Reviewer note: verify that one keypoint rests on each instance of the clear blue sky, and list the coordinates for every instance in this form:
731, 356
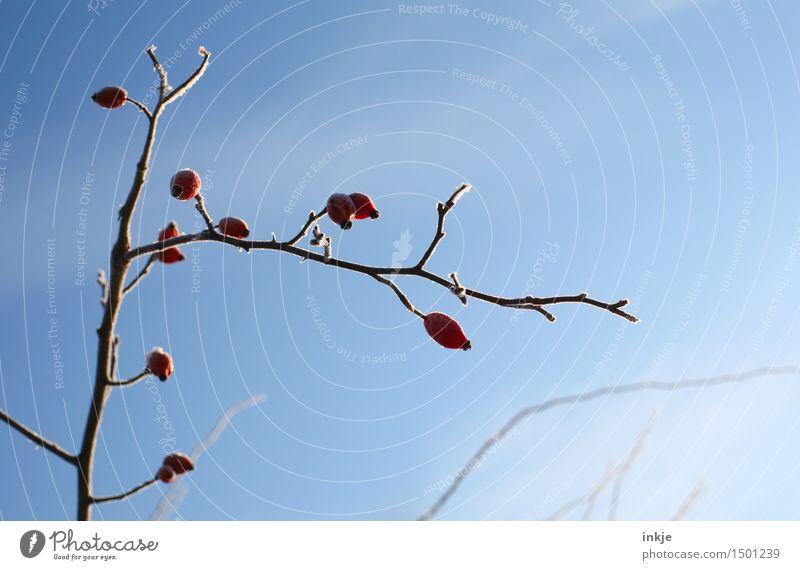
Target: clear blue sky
629, 149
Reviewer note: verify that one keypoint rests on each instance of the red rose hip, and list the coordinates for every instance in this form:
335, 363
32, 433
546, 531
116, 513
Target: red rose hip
166, 474
110, 97
172, 254
186, 184
446, 331
233, 227
179, 462
365, 207
159, 363
341, 210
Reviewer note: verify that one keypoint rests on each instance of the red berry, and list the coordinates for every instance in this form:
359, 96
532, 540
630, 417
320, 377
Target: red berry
179, 462
365, 207
159, 363
446, 331
341, 210
166, 474
233, 227
186, 184
172, 254
110, 97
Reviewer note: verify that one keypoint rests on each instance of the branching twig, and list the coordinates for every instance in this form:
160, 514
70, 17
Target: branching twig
312, 219
528, 302
193, 78
586, 397
126, 494
38, 439
442, 210
145, 270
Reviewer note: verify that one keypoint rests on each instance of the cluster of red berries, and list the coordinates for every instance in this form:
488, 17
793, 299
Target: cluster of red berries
344, 208
186, 185
174, 464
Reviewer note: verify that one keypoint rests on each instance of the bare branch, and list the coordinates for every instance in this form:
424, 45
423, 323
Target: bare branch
142, 274
312, 219
38, 439
442, 210
400, 295
193, 78
141, 107
529, 303
126, 494
589, 396
624, 469
131, 381
162, 73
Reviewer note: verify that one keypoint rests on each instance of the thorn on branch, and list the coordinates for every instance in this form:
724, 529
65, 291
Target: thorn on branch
103, 282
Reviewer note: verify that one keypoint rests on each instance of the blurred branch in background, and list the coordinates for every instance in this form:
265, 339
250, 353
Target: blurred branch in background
171, 500
529, 411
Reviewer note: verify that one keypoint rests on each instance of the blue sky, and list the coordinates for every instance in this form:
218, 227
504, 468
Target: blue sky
629, 149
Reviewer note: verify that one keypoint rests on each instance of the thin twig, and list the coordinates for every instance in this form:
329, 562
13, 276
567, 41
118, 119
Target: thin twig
162, 73
130, 381
400, 295
312, 219
38, 439
145, 270
126, 494
200, 205
442, 210
586, 397
141, 107
193, 78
